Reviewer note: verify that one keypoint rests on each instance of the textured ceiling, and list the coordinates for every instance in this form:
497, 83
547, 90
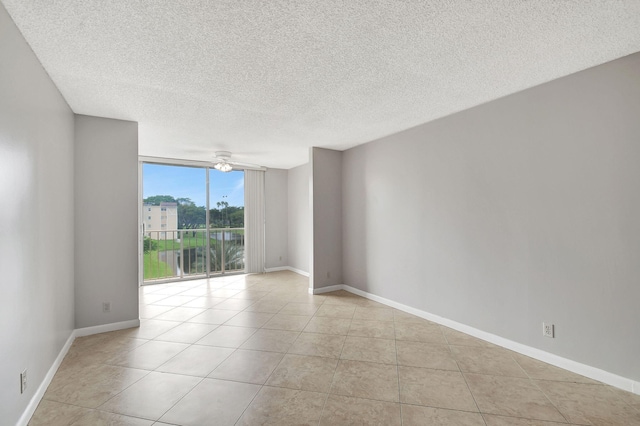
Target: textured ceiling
268, 79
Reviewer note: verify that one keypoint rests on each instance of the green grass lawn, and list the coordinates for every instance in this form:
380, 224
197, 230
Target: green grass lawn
155, 268
188, 240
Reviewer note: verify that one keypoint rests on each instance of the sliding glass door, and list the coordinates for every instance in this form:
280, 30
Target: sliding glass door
192, 222
226, 218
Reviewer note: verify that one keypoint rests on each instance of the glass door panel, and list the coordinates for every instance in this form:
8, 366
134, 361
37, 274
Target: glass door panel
174, 221
226, 221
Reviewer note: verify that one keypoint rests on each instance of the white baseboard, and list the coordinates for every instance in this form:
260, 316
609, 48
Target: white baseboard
276, 269
565, 363
37, 397
287, 268
298, 271
114, 326
326, 289
78, 332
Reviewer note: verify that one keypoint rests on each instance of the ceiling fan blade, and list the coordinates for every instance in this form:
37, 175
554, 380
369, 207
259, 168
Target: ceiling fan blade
247, 165
225, 157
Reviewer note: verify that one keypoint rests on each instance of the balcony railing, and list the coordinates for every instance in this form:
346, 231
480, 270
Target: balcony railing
180, 253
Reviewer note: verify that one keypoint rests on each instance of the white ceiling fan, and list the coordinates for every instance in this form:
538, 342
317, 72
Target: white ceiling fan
222, 162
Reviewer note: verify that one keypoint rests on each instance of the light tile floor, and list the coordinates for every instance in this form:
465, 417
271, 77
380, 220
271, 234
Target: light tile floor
258, 349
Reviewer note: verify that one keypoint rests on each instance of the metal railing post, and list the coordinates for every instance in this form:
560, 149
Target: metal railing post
207, 231
181, 234
158, 256
222, 266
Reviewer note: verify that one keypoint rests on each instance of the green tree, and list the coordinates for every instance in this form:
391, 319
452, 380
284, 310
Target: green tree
226, 216
236, 217
222, 208
215, 218
149, 244
155, 200
191, 216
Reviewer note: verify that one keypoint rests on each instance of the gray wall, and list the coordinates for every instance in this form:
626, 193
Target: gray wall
276, 215
326, 216
36, 221
519, 211
299, 213
106, 220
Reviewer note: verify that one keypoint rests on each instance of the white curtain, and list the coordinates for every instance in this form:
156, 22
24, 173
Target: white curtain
254, 220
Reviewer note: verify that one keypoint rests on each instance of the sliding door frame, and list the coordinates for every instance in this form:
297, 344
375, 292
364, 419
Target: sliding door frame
184, 163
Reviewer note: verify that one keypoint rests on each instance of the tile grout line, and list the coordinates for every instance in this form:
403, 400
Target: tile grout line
183, 396
463, 376
188, 346
196, 385
612, 391
395, 342
333, 378
261, 386
532, 381
127, 387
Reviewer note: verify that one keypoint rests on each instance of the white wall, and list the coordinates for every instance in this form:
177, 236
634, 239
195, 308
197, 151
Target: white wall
326, 216
106, 220
519, 211
36, 221
299, 214
276, 218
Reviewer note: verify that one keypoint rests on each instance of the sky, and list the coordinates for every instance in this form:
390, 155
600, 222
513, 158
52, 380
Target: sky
190, 182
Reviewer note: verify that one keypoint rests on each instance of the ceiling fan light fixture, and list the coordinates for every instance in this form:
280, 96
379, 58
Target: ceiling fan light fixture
223, 164
223, 167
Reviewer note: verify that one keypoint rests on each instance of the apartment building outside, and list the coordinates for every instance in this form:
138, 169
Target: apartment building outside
159, 219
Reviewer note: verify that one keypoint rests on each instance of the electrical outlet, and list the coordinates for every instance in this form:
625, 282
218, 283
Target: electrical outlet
106, 306
547, 330
23, 381
280, 257
328, 275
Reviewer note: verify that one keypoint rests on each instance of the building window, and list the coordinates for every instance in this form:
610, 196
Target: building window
149, 217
